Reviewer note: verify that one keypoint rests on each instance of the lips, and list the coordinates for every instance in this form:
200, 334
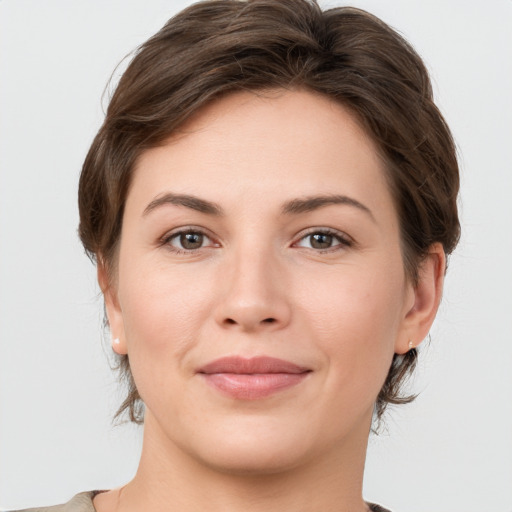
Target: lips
254, 378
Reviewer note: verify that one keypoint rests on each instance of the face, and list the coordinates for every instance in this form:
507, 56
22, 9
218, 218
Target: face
261, 292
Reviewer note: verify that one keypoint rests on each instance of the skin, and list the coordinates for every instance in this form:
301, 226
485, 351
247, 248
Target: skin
259, 286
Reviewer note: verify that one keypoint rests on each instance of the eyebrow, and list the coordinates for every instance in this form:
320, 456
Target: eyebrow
192, 202
293, 207
308, 204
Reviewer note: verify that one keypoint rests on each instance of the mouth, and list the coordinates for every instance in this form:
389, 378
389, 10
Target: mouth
254, 378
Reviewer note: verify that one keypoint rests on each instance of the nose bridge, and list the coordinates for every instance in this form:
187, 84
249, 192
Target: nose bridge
254, 289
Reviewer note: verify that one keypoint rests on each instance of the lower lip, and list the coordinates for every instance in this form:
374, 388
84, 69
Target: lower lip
253, 386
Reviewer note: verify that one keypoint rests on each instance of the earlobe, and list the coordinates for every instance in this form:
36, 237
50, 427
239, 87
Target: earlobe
113, 310
426, 299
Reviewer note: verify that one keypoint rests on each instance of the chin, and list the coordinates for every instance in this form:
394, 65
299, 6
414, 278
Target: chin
254, 443
255, 460
252, 448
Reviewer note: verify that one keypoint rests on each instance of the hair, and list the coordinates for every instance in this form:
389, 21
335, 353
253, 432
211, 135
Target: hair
213, 48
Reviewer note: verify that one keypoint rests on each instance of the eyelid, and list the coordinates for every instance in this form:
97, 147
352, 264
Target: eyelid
345, 240
169, 235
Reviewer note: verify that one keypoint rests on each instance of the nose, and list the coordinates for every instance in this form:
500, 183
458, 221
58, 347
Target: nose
255, 294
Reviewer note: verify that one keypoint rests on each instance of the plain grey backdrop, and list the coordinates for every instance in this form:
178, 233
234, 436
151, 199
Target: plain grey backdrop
450, 451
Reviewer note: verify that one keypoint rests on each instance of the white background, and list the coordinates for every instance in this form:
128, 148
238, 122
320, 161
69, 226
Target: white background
451, 451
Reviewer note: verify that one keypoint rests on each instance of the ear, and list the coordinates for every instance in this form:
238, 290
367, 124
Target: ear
113, 310
424, 301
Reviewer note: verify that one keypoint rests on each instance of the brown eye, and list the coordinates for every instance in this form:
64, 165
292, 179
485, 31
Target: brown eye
189, 240
320, 240
324, 240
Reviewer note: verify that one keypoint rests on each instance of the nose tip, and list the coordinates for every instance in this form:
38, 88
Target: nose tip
253, 316
254, 297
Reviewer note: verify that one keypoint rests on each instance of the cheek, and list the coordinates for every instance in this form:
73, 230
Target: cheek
162, 312
355, 317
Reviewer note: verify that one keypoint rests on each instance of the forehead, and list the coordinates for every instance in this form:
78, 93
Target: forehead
247, 144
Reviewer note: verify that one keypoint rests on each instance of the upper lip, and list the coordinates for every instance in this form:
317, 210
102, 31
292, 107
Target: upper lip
253, 365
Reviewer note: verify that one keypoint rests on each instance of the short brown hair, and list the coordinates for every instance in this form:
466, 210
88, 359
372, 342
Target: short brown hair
216, 47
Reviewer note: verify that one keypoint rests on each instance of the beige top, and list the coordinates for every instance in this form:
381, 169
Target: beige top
80, 503
83, 503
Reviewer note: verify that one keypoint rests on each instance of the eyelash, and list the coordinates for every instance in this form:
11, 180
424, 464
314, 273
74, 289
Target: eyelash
343, 240
167, 239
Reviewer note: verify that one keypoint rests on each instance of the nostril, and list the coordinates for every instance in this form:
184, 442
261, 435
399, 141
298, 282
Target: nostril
241, 322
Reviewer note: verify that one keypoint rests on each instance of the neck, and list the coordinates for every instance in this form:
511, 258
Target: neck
170, 476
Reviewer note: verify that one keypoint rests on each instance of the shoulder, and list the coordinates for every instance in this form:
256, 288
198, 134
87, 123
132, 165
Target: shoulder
79, 503
377, 508
83, 503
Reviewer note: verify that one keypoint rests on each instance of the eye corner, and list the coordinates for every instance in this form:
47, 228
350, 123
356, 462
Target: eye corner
332, 239
196, 238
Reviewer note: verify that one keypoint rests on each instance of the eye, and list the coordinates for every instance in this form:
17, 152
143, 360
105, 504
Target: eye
189, 240
324, 240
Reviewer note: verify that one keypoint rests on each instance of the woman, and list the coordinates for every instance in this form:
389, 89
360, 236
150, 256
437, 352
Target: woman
270, 203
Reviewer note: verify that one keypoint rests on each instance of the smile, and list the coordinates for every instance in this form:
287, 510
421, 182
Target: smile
254, 378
